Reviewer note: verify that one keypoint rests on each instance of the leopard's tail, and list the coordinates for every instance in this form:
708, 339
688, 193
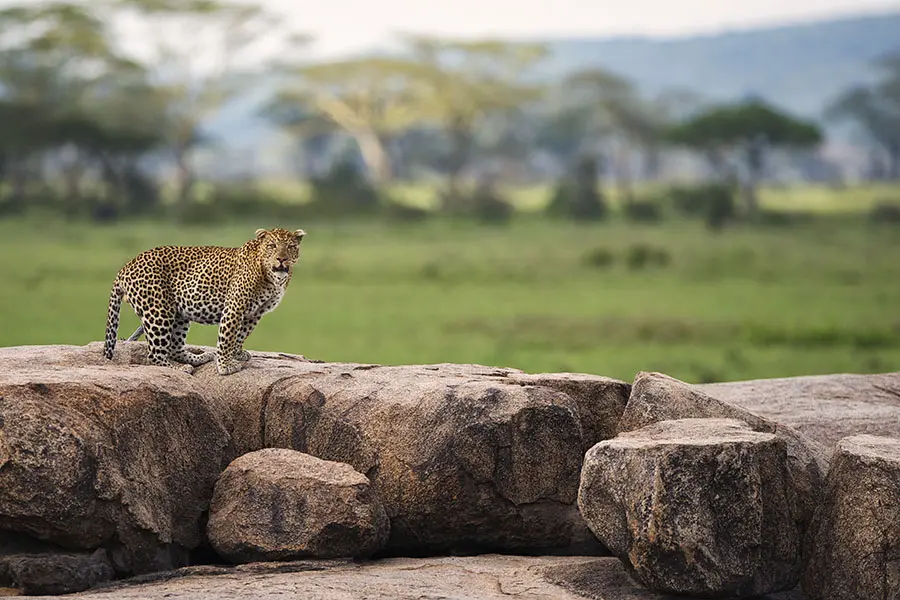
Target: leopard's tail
112, 318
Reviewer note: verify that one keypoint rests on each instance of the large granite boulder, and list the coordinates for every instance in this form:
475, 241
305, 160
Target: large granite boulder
657, 397
279, 504
700, 507
855, 537
99, 455
464, 458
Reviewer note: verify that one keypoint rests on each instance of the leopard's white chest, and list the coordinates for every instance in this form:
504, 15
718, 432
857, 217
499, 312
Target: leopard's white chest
267, 301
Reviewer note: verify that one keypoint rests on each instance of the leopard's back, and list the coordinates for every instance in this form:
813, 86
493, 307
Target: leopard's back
193, 280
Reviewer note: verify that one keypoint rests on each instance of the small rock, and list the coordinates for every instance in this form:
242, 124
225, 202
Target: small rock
855, 535
280, 504
49, 573
696, 506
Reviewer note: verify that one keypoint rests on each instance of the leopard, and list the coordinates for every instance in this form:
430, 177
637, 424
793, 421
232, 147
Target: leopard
170, 287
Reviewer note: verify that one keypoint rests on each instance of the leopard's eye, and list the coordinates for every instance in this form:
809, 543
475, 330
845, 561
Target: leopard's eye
271, 245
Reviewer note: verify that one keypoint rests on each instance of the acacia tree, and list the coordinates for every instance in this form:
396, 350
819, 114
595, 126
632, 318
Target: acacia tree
601, 113
459, 84
370, 99
744, 133
311, 128
201, 54
875, 110
55, 58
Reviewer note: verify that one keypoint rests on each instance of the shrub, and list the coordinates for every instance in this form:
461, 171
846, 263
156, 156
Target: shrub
646, 210
404, 213
239, 201
714, 202
780, 218
344, 191
600, 258
640, 256
576, 197
885, 212
485, 204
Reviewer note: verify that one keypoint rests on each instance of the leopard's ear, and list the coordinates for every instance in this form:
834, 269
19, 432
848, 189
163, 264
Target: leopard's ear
300, 233
260, 233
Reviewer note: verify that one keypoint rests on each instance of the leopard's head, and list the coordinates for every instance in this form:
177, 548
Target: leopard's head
279, 250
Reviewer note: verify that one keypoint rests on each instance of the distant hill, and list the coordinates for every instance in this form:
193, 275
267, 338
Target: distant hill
800, 68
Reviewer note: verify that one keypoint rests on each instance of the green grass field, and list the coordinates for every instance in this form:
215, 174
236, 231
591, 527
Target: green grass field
536, 295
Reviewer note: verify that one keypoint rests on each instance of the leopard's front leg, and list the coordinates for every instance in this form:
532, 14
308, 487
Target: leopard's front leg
230, 340
246, 329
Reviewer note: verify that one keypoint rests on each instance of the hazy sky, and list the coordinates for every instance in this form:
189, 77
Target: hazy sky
348, 25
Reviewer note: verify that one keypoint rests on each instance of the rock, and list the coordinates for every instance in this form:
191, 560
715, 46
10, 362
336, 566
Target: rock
29, 566
55, 573
99, 455
465, 458
599, 401
855, 536
483, 577
463, 463
656, 397
825, 408
696, 506
279, 504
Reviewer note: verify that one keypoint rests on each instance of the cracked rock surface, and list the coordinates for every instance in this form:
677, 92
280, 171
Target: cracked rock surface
484, 577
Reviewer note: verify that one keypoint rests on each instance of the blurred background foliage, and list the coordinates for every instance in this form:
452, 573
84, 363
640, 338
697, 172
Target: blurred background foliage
467, 200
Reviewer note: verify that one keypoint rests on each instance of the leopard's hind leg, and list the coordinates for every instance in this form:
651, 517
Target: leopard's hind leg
158, 319
177, 351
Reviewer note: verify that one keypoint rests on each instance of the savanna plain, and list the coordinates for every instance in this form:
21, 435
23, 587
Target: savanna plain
819, 294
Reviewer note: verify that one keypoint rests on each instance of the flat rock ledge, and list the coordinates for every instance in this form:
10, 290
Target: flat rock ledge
701, 507
482, 577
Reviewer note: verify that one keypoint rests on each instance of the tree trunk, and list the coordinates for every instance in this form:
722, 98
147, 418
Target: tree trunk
370, 144
652, 162
623, 173
460, 154
755, 164
894, 161
374, 154
19, 179
717, 164
184, 182
313, 148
